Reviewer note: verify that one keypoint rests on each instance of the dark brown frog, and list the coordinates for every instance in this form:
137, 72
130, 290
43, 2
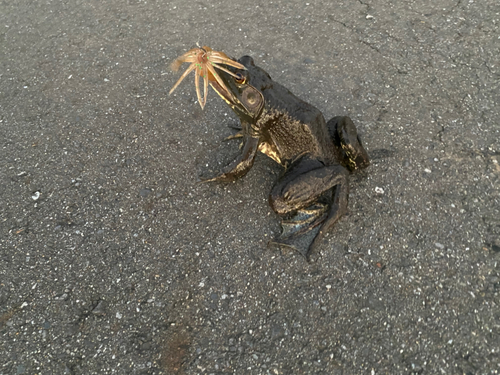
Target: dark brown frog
312, 193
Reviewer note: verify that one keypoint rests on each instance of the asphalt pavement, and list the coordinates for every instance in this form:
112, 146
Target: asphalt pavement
115, 260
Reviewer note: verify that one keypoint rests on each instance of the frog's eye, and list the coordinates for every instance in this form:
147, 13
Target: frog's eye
252, 98
240, 78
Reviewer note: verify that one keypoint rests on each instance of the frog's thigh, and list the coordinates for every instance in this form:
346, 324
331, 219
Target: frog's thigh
304, 182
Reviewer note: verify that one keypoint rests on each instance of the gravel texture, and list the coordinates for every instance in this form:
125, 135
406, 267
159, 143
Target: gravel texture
113, 259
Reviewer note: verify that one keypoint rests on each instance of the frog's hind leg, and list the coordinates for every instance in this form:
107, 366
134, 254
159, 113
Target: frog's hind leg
310, 197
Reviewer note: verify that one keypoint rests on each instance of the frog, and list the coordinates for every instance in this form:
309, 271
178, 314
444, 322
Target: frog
311, 194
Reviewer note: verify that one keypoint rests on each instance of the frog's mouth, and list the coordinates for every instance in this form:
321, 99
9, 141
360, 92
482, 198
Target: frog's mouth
229, 85
244, 99
225, 94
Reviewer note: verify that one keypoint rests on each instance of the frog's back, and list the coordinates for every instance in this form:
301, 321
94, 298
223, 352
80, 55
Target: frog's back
293, 127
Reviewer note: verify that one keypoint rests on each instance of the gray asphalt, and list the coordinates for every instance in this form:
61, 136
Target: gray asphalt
113, 259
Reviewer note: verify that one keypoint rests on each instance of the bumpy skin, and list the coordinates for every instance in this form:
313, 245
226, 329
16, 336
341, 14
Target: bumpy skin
312, 193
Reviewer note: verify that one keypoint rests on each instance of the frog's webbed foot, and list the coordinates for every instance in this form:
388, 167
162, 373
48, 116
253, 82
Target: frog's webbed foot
310, 197
300, 230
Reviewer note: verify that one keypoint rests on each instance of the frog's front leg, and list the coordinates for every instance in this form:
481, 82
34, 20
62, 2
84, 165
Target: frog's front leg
241, 165
310, 197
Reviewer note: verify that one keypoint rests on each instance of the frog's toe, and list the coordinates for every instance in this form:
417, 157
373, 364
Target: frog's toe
240, 134
218, 178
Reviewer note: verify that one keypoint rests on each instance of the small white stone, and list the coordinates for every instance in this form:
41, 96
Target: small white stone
35, 195
379, 190
369, 17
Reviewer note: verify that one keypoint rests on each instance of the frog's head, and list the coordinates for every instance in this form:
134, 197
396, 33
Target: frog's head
243, 93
